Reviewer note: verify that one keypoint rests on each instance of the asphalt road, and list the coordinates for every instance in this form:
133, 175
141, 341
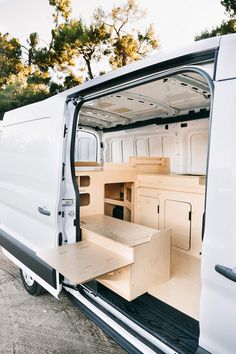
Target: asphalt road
44, 325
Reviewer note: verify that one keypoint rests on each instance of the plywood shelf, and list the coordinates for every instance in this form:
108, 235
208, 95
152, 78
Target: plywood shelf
128, 205
120, 195
117, 201
83, 261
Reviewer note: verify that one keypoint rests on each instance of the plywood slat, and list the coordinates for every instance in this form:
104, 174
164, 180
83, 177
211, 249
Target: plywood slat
83, 261
114, 201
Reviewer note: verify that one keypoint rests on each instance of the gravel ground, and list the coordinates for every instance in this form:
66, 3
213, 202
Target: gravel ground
41, 325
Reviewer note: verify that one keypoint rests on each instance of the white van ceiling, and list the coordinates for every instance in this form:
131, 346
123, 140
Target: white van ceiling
165, 98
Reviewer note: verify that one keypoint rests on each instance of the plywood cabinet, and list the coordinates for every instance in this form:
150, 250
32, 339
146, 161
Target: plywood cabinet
118, 200
147, 211
112, 184
180, 202
177, 217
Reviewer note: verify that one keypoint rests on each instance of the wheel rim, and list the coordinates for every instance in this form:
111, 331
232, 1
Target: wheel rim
28, 279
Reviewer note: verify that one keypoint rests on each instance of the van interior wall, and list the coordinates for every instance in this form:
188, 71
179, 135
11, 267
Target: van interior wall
185, 144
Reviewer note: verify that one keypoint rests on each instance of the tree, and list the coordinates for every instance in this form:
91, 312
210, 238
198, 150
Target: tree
38, 69
75, 39
227, 26
109, 35
230, 6
62, 9
40, 59
10, 58
16, 95
126, 44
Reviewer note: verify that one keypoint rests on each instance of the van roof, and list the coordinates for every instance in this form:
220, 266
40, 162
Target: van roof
200, 50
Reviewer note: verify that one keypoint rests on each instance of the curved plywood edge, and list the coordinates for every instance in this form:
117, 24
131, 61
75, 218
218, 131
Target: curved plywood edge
121, 231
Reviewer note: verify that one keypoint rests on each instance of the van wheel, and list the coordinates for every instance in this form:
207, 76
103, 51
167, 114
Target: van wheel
30, 285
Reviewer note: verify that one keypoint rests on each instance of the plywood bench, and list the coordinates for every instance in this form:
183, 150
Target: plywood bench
126, 257
147, 249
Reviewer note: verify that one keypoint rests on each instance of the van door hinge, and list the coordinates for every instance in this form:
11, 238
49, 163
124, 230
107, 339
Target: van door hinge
65, 131
190, 215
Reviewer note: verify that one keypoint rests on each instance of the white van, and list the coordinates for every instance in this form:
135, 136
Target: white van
122, 191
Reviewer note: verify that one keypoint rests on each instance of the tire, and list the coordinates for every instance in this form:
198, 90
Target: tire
30, 285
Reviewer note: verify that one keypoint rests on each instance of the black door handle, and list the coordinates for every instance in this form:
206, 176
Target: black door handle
226, 272
44, 211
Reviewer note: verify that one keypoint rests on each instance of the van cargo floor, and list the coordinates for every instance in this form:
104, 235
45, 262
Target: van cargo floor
164, 322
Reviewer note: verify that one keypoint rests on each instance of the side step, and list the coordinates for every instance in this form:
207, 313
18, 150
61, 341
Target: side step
170, 326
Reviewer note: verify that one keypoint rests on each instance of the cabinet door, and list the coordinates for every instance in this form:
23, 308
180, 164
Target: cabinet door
148, 211
178, 219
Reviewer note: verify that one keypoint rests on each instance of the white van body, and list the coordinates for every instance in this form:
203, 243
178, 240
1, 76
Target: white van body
41, 207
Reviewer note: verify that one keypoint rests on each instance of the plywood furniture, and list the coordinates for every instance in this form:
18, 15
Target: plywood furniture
126, 257
120, 195
148, 250
83, 261
92, 180
182, 291
175, 202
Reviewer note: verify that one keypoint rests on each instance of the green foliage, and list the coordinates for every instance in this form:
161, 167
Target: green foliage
72, 81
225, 27
75, 39
230, 6
109, 34
55, 88
126, 44
62, 8
15, 95
26, 72
10, 58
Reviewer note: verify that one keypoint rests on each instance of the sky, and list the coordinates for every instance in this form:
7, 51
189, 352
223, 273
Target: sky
176, 21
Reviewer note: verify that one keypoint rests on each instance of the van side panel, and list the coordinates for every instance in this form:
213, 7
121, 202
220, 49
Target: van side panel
226, 68
31, 172
185, 145
218, 308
